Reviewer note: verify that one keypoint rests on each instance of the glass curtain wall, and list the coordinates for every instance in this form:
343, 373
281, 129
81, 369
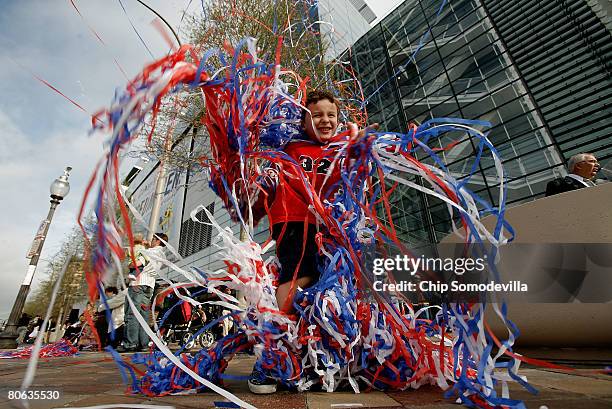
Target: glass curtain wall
461, 69
563, 51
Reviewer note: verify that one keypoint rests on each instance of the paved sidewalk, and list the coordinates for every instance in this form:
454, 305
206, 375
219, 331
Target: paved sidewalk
91, 378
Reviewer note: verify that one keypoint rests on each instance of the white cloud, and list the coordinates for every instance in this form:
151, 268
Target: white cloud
27, 168
41, 132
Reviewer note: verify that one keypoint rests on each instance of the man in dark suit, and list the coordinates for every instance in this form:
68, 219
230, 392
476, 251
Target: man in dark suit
582, 168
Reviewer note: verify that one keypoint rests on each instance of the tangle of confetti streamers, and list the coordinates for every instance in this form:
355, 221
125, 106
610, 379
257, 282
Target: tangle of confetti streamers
63, 347
341, 334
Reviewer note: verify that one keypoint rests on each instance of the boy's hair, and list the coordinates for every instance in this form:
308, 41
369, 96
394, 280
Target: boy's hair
315, 96
113, 290
161, 236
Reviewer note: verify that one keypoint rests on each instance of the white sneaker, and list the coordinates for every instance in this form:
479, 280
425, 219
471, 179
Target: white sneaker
260, 384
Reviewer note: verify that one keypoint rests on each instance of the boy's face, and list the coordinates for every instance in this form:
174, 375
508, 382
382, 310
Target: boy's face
322, 120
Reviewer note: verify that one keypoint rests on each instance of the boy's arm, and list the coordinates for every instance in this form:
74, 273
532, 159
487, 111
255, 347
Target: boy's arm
261, 193
266, 192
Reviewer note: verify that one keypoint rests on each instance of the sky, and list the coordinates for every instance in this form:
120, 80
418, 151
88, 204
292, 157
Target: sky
40, 131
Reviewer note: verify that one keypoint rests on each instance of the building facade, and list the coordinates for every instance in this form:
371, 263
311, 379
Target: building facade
342, 23
185, 191
539, 72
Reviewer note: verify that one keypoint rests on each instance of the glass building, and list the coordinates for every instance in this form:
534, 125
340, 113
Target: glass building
345, 21
539, 72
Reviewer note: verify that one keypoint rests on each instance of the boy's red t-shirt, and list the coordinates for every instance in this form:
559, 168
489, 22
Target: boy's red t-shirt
292, 199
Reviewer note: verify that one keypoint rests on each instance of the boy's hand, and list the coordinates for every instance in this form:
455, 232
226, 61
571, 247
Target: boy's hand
367, 129
355, 132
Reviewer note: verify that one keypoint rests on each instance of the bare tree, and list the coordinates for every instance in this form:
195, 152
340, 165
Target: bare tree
73, 287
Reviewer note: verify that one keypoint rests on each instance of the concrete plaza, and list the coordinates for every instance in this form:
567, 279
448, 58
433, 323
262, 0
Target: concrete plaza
92, 378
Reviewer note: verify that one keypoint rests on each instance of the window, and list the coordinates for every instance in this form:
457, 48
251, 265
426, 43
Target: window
196, 236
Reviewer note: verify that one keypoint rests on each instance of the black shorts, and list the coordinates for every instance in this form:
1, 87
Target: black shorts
290, 248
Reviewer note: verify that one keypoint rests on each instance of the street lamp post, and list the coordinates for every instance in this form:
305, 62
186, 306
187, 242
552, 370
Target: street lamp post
59, 189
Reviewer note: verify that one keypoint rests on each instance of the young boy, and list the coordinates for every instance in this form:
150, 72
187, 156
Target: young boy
290, 208
289, 213
139, 255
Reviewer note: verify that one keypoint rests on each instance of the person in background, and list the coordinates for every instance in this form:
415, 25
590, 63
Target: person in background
140, 292
22, 327
582, 170
115, 301
101, 325
87, 339
73, 329
33, 329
